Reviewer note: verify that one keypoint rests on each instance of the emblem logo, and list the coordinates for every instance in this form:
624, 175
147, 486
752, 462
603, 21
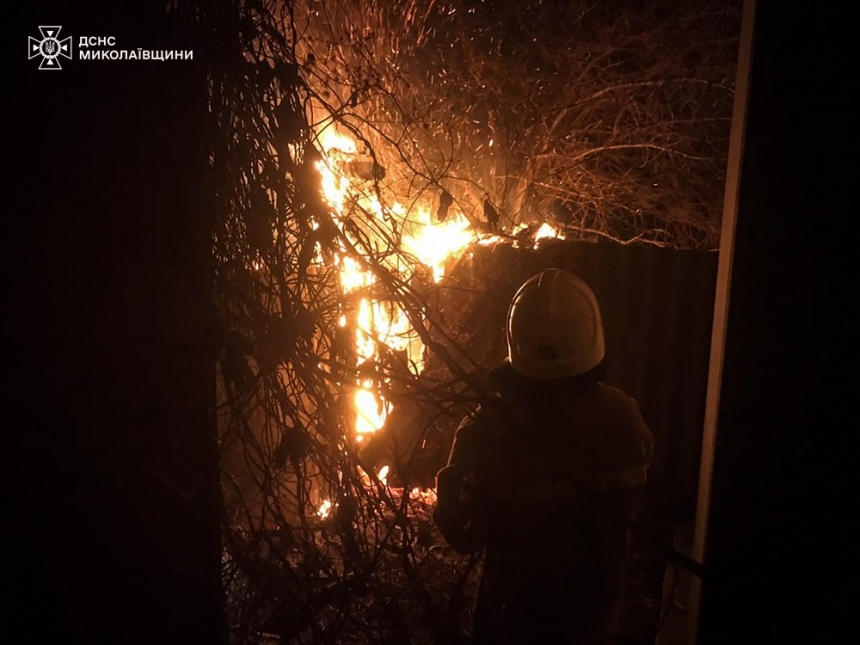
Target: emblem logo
50, 47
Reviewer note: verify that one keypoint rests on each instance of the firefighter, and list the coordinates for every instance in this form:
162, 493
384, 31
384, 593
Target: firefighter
544, 475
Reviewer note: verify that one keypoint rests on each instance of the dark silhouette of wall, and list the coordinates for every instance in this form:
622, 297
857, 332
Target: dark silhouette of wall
779, 540
658, 309
113, 497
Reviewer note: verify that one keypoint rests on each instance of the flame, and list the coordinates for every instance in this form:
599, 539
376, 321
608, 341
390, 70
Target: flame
383, 474
352, 276
381, 325
370, 410
546, 231
324, 509
335, 147
435, 243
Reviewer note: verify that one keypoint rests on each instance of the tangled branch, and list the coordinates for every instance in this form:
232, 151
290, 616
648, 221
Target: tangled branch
608, 133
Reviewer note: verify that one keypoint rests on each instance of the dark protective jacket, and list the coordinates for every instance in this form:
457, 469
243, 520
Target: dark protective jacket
538, 476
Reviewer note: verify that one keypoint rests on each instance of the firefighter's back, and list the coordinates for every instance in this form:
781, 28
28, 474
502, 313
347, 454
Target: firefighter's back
556, 537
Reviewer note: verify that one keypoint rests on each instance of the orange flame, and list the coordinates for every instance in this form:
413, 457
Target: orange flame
381, 324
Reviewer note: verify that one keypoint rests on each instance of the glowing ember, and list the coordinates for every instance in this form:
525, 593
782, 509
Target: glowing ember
425, 495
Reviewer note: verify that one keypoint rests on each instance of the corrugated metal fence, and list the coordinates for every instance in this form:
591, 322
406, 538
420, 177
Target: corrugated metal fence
658, 308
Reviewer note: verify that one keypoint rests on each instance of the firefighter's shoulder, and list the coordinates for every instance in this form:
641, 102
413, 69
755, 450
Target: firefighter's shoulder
620, 438
617, 413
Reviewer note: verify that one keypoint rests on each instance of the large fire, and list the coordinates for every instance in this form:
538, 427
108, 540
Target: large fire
381, 323
426, 247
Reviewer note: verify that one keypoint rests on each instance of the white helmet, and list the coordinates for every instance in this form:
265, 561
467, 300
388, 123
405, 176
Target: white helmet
554, 327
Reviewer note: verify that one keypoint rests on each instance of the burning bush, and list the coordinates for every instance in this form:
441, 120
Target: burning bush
363, 153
